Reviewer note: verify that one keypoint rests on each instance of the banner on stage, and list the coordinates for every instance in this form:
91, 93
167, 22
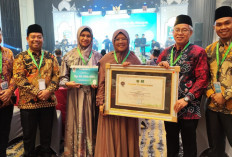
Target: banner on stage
86, 75
141, 91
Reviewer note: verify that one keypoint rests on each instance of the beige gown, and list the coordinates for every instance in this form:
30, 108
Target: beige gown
116, 136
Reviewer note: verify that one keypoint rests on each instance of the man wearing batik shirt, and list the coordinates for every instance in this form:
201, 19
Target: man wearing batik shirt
36, 73
7, 88
193, 80
219, 112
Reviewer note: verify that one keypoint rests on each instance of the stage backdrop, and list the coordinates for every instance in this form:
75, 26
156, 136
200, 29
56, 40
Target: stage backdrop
136, 23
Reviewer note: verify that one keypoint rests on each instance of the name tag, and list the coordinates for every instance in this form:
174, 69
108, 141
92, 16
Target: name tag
217, 87
42, 85
4, 85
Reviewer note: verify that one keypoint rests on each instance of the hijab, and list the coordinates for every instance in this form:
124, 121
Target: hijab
121, 55
85, 51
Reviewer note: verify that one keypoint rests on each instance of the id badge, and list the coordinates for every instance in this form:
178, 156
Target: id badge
217, 87
4, 85
42, 85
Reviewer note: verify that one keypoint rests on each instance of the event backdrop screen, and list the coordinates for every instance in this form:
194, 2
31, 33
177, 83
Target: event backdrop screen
136, 23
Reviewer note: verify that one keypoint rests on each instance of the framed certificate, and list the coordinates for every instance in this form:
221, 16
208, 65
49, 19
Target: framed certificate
86, 75
141, 91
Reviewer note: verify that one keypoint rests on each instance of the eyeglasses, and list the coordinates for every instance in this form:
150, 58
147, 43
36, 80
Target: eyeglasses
177, 30
123, 39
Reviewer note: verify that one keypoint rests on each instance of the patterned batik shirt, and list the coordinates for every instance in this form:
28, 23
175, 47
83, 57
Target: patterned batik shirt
193, 77
225, 76
7, 69
26, 77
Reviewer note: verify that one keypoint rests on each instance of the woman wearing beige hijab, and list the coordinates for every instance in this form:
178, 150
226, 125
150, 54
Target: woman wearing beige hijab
116, 136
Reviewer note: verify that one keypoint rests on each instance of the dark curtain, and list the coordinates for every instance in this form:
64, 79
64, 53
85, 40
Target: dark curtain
11, 29
44, 17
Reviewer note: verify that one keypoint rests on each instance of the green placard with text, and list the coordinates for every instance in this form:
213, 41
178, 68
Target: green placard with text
86, 75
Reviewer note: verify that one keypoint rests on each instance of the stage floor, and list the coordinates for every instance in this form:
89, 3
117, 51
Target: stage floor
152, 142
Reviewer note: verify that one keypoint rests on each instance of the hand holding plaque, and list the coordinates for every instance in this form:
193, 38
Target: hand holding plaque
72, 84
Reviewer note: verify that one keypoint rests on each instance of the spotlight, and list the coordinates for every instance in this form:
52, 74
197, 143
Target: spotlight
103, 13
128, 11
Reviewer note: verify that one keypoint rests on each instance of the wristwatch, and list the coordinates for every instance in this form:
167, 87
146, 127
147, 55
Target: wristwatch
186, 98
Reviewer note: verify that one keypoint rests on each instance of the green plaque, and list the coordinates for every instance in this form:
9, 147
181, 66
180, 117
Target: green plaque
86, 75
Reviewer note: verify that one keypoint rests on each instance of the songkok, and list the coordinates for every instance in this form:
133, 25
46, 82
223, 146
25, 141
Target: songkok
183, 19
35, 28
224, 11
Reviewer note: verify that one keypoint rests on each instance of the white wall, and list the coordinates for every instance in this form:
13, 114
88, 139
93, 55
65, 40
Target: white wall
167, 12
27, 17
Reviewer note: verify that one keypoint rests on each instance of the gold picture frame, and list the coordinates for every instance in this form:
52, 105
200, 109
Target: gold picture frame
141, 91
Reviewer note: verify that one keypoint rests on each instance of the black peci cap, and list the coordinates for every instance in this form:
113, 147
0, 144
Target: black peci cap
35, 28
183, 19
224, 11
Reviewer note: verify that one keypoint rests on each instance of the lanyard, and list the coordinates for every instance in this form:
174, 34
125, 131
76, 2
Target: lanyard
115, 57
223, 59
1, 64
40, 63
178, 58
83, 60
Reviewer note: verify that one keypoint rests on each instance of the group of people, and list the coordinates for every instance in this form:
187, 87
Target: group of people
140, 44
35, 72
201, 72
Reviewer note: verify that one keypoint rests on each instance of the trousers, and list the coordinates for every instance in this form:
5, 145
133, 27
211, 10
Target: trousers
219, 126
5, 122
187, 128
30, 120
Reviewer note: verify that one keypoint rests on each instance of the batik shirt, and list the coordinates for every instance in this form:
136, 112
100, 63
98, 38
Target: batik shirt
26, 77
193, 77
7, 69
224, 77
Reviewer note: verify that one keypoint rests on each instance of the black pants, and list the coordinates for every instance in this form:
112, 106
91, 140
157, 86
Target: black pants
5, 122
143, 50
219, 126
188, 134
32, 118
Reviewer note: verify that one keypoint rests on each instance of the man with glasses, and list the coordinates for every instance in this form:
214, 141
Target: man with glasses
219, 112
193, 80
